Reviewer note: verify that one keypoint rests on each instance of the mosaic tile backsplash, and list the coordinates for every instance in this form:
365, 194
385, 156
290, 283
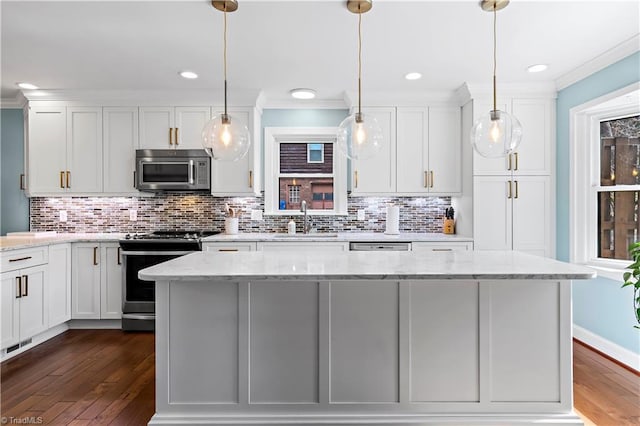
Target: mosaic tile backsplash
202, 211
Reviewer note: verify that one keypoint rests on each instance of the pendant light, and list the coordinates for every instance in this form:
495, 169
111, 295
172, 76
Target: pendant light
359, 136
224, 137
498, 133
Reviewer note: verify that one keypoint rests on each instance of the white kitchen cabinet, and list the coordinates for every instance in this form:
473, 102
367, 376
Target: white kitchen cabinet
377, 175
534, 154
96, 281
242, 177
428, 151
110, 281
437, 246
512, 213
59, 284
229, 246
46, 150
84, 150
303, 246
24, 304
172, 127
120, 141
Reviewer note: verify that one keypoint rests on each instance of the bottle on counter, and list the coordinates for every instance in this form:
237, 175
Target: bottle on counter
291, 227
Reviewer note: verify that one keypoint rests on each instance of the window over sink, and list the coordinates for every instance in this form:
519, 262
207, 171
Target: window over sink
303, 164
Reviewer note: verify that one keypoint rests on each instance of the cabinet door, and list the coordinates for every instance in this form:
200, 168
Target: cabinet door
229, 247
430, 246
85, 281
59, 284
492, 213
377, 175
303, 246
236, 177
34, 303
84, 149
445, 156
10, 312
412, 127
111, 282
533, 156
532, 214
156, 128
189, 124
481, 165
120, 143
47, 150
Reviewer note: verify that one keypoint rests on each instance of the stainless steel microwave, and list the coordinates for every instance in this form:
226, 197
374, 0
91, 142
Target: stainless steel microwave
172, 170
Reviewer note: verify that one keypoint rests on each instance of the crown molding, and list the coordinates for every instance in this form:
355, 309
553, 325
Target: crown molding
530, 90
396, 98
18, 102
305, 104
611, 56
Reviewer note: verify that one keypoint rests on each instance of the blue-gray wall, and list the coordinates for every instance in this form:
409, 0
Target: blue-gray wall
599, 305
14, 206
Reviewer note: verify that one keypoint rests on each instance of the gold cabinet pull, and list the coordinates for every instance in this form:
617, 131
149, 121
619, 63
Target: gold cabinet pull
442, 249
62, 179
509, 162
250, 178
119, 259
228, 250
18, 287
177, 141
516, 158
431, 178
26, 285
22, 182
170, 135
509, 189
516, 189
426, 179
68, 179
95, 255
356, 177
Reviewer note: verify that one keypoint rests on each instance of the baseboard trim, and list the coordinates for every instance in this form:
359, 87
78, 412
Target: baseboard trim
95, 324
36, 340
616, 353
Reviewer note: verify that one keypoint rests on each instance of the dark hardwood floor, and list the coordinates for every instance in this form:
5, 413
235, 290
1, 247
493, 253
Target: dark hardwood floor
106, 377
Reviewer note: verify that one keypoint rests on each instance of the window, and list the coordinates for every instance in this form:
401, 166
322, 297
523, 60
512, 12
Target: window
302, 164
315, 153
604, 183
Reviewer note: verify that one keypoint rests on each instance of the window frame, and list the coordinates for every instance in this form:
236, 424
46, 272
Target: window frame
584, 136
273, 137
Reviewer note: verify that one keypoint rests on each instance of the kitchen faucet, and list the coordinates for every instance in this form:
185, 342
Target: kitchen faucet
303, 209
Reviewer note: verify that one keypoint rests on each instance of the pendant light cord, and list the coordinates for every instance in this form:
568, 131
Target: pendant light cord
225, 61
359, 63
495, 108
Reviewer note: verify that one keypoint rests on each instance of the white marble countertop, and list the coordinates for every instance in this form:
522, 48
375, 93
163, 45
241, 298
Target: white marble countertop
16, 243
474, 265
340, 236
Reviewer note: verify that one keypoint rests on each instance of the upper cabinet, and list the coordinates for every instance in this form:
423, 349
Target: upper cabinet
120, 138
172, 127
84, 149
534, 154
421, 154
242, 177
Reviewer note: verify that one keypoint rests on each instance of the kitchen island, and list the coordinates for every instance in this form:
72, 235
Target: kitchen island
363, 338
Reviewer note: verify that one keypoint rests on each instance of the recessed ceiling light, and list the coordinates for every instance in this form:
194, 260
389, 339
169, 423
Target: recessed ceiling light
413, 76
537, 68
303, 93
27, 86
188, 74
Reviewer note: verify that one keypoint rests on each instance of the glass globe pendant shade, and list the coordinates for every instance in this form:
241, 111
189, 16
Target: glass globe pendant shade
226, 138
359, 137
496, 134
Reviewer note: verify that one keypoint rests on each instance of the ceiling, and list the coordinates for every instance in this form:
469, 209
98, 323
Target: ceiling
275, 46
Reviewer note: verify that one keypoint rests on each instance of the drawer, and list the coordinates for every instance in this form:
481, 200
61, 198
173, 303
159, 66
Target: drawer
25, 258
442, 246
229, 247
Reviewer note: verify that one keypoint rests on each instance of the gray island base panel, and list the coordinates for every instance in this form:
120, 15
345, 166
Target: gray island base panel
357, 338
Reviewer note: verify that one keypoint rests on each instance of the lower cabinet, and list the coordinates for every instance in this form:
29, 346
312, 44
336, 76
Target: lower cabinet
24, 304
303, 246
96, 283
229, 246
442, 246
59, 285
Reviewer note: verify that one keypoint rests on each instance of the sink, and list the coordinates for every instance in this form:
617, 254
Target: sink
309, 235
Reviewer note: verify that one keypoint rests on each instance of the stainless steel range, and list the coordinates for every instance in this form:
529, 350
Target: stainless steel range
140, 251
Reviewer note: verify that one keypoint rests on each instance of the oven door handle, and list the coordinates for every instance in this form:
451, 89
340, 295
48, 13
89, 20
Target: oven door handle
152, 252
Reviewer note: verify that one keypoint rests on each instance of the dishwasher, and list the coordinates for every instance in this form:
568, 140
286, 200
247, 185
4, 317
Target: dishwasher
373, 246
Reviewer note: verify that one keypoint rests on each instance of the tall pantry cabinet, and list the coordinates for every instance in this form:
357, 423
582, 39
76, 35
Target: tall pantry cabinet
513, 196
